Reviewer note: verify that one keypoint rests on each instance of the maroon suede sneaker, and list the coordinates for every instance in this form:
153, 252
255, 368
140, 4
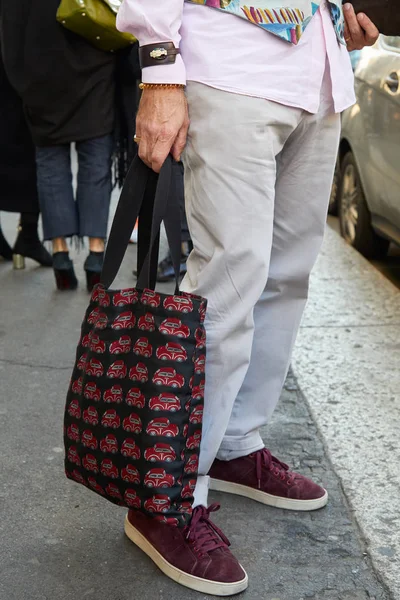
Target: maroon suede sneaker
264, 478
197, 556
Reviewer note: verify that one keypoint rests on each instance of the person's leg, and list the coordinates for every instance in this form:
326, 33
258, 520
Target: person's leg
58, 208
56, 196
28, 243
305, 170
230, 170
94, 189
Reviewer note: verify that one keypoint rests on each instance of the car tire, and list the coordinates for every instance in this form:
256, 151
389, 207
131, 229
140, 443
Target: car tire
354, 215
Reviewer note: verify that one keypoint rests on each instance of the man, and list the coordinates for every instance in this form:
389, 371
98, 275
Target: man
264, 85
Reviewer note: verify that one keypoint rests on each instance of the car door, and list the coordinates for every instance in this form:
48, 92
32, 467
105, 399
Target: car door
387, 139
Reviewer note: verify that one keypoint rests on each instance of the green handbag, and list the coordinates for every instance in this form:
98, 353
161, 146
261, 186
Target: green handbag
95, 20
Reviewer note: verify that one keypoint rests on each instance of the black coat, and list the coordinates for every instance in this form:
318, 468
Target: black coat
66, 85
18, 191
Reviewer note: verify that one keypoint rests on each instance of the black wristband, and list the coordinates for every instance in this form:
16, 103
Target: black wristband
163, 53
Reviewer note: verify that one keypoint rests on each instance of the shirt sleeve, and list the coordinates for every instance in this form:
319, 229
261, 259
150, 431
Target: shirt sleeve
152, 21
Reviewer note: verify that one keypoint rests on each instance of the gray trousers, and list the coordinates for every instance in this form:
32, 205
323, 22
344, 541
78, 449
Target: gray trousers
257, 183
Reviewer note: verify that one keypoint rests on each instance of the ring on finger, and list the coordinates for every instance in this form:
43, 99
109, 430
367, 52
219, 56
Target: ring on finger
136, 139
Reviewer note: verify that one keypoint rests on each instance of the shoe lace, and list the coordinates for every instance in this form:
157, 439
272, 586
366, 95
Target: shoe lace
203, 533
264, 459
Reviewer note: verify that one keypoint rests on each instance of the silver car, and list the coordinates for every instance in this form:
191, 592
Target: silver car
366, 190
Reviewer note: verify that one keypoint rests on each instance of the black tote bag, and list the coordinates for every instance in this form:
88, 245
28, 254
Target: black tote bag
132, 426
385, 14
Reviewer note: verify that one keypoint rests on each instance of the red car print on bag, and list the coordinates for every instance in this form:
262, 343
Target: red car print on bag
131, 499
85, 342
169, 377
117, 370
194, 440
192, 464
165, 401
174, 327
198, 391
129, 449
171, 521
185, 430
130, 474
74, 410
73, 432
125, 297
202, 312
81, 364
77, 385
172, 351
102, 321
94, 368
126, 320
109, 444
143, 348
104, 299
89, 462
139, 373
146, 323
134, 397
179, 304
108, 469
159, 504
161, 453
95, 486
150, 298
73, 455
113, 395
121, 346
132, 423
197, 415
78, 477
93, 316
162, 426
90, 415
188, 490
185, 507
113, 491
111, 419
200, 364
200, 337
97, 345
97, 292
91, 391
158, 478
89, 440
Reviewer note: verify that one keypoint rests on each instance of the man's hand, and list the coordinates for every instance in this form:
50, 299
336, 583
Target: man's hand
162, 124
359, 30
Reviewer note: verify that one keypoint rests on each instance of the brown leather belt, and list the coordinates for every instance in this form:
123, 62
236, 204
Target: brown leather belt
163, 53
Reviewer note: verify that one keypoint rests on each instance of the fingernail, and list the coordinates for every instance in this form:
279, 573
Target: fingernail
360, 16
347, 6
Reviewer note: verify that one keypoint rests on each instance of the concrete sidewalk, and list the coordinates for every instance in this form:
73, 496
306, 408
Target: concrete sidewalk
60, 542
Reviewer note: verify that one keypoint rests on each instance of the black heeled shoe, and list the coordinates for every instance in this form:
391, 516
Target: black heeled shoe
64, 271
93, 266
5, 249
28, 245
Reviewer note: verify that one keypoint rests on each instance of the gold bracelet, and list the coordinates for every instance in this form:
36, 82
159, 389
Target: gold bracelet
147, 86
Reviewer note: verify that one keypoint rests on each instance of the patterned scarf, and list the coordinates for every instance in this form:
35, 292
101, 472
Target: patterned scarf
288, 21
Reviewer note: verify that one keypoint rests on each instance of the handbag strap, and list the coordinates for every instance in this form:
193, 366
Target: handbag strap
141, 180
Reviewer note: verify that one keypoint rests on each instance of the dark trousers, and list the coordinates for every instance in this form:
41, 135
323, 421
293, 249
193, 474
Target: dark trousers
63, 214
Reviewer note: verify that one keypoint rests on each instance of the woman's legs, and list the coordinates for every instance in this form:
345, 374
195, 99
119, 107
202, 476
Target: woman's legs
94, 189
56, 196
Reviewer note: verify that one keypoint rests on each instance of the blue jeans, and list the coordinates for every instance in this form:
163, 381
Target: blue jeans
62, 215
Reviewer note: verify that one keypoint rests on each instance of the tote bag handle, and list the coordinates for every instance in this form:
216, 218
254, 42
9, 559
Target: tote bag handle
140, 180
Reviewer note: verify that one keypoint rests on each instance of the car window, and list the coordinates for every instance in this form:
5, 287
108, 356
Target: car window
392, 41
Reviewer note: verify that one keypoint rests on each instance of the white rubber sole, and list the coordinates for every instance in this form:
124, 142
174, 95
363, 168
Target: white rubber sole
219, 485
194, 583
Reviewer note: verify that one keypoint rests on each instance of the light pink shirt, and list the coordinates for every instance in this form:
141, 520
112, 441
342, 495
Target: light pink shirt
228, 53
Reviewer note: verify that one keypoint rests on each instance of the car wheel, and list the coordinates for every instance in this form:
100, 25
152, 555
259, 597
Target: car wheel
354, 215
